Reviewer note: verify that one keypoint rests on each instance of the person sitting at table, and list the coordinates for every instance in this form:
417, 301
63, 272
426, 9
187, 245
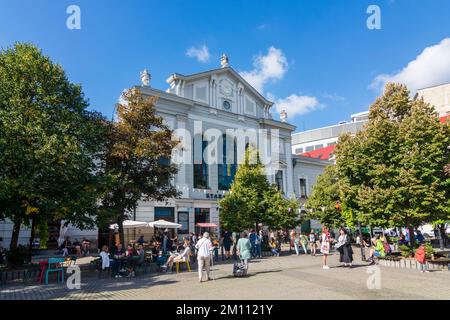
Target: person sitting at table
130, 251
118, 256
77, 247
85, 247
140, 252
141, 240
156, 248
178, 257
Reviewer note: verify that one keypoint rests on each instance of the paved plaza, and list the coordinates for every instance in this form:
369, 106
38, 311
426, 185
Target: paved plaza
273, 278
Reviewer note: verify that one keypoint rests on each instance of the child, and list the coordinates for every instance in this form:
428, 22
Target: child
105, 258
274, 247
421, 258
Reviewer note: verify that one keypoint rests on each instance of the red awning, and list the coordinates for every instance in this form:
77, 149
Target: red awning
206, 225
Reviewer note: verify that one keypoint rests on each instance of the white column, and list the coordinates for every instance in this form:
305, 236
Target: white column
290, 169
181, 175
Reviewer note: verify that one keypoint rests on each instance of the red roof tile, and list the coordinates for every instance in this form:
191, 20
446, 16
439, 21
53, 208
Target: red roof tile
323, 153
443, 119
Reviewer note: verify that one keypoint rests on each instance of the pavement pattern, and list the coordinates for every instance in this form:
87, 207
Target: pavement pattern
288, 277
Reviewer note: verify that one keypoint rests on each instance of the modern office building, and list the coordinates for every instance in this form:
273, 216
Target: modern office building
438, 96
320, 143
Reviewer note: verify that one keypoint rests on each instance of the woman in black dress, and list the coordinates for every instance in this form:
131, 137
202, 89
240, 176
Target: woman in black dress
345, 248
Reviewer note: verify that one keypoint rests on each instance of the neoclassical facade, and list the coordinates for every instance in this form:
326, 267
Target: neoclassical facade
217, 113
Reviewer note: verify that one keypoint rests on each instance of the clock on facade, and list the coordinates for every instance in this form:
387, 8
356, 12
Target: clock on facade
226, 105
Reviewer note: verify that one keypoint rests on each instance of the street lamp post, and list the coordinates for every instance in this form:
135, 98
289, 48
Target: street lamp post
363, 251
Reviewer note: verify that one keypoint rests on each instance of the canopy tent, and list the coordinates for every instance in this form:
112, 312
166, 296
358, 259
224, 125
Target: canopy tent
129, 224
206, 225
163, 224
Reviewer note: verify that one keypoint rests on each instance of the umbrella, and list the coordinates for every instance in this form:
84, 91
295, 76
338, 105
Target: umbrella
164, 224
129, 224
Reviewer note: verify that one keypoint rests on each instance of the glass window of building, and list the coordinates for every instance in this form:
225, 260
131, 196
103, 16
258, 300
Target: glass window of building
299, 151
303, 188
310, 148
279, 180
227, 170
200, 169
201, 215
319, 146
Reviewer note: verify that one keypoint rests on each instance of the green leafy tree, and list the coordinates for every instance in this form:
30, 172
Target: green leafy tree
281, 213
137, 158
324, 202
392, 172
244, 207
253, 201
48, 144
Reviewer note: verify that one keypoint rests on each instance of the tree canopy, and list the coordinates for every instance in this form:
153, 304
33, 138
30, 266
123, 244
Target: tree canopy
48, 143
137, 157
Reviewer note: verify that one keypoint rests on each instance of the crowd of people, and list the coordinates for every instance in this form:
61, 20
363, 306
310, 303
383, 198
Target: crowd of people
203, 249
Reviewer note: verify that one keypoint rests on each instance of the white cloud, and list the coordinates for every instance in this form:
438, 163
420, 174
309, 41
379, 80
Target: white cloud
430, 68
263, 26
270, 67
296, 105
201, 54
333, 97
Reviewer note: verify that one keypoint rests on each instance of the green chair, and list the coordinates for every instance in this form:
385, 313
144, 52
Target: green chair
55, 265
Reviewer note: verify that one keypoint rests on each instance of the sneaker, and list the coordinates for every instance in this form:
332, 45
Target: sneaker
426, 271
326, 267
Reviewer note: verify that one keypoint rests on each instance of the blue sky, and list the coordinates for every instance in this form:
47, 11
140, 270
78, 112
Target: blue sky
316, 58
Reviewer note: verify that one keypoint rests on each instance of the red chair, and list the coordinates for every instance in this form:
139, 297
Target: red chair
43, 265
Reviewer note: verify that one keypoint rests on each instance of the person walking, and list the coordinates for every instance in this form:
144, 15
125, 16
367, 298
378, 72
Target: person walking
244, 248
204, 247
252, 239
227, 242
312, 243
258, 244
297, 245
325, 247
345, 248
304, 242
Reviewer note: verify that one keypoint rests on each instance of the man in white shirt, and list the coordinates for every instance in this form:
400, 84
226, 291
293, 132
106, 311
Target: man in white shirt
203, 247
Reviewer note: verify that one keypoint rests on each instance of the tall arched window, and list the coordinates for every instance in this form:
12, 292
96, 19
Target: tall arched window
227, 169
200, 165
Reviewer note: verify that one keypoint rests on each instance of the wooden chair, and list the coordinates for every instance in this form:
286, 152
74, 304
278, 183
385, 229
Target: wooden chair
185, 261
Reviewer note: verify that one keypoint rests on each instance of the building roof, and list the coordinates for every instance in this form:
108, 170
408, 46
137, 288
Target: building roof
327, 152
323, 153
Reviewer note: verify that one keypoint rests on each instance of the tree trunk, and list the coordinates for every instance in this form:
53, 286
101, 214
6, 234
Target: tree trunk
412, 239
441, 237
15, 233
32, 235
121, 233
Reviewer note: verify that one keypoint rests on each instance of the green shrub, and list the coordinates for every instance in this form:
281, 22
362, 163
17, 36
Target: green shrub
429, 251
407, 251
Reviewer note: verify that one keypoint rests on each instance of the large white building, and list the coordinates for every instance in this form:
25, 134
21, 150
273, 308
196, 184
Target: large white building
206, 107
209, 112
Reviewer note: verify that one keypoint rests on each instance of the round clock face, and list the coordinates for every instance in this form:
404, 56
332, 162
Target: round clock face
226, 105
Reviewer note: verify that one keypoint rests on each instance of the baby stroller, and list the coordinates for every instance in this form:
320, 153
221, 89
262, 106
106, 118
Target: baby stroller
240, 269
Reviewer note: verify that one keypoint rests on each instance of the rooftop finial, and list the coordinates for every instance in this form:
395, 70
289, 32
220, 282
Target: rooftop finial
283, 116
224, 61
145, 78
